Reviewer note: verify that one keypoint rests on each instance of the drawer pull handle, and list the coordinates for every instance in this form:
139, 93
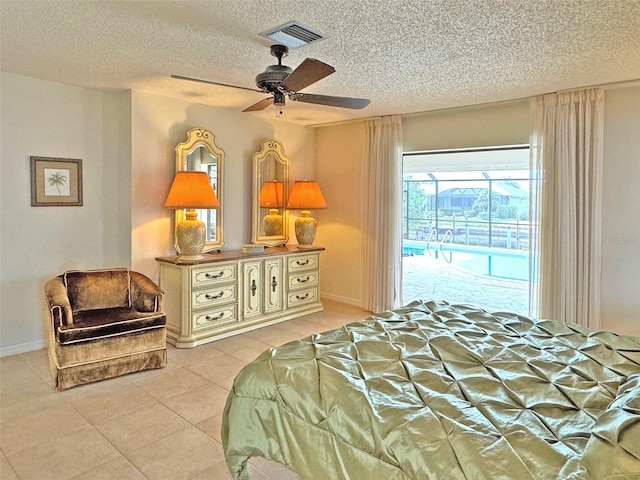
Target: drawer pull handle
214, 275
302, 264
254, 287
213, 319
208, 296
303, 297
274, 284
303, 280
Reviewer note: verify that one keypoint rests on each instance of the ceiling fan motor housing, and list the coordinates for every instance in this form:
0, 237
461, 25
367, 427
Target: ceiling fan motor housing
272, 77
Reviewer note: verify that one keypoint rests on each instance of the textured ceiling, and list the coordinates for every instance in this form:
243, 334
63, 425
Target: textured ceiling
405, 55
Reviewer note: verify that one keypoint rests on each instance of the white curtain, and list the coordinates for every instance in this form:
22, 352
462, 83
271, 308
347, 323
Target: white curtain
382, 222
566, 161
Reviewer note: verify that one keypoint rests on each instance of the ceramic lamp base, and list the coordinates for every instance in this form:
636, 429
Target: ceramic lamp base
272, 223
191, 235
306, 227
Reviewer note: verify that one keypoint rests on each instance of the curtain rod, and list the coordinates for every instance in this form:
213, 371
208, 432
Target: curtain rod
605, 86
343, 122
438, 111
441, 111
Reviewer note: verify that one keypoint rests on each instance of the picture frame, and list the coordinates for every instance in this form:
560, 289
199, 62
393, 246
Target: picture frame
56, 182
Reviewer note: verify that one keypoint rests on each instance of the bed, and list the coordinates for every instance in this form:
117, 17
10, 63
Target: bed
440, 391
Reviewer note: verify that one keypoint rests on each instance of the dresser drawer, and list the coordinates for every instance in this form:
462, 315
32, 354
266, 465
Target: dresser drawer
302, 280
302, 262
214, 296
214, 317
214, 274
302, 297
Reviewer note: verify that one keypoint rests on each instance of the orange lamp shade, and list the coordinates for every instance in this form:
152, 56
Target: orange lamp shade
271, 194
305, 195
191, 190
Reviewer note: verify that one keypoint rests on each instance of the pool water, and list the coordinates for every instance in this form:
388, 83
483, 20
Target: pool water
494, 266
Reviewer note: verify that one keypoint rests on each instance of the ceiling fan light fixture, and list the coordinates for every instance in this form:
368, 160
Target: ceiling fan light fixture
293, 34
278, 99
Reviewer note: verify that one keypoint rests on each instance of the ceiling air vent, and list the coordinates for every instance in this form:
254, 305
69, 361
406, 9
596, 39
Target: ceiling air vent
292, 35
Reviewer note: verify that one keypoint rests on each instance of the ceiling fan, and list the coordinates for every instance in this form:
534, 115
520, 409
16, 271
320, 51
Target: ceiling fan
280, 81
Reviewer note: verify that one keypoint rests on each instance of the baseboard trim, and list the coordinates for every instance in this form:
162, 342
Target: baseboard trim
22, 348
337, 298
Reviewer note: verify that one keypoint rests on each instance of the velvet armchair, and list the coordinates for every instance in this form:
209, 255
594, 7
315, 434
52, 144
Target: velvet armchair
104, 323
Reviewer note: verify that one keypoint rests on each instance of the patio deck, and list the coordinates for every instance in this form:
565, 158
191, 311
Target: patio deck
429, 278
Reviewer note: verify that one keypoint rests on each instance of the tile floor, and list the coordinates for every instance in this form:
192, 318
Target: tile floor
158, 425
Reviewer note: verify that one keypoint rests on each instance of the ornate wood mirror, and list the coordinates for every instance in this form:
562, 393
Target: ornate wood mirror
269, 195
200, 153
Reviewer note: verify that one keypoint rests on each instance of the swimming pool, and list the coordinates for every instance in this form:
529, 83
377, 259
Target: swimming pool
491, 265
494, 262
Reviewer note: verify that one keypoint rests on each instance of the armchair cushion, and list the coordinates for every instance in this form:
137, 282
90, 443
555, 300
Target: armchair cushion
107, 322
98, 289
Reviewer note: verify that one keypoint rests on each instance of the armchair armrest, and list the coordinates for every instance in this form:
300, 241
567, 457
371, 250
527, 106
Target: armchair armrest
146, 296
58, 302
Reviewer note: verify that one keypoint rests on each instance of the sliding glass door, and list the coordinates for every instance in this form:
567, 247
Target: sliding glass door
466, 227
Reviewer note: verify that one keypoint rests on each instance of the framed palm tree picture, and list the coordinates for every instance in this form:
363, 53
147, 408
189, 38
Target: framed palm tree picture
56, 182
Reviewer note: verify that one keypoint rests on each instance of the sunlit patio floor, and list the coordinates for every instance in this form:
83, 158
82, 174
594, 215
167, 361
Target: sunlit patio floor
429, 278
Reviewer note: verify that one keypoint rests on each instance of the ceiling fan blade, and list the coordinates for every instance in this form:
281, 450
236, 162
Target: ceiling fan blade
344, 102
261, 105
180, 77
308, 72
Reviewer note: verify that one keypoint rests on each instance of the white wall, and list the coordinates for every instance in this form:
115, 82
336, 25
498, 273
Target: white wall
126, 141
42, 118
116, 171
620, 217
481, 126
339, 158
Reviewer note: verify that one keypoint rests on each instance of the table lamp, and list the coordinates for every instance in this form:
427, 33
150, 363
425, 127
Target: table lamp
271, 197
191, 190
305, 195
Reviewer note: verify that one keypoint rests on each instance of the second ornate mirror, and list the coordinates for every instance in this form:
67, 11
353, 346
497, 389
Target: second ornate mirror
200, 153
269, 195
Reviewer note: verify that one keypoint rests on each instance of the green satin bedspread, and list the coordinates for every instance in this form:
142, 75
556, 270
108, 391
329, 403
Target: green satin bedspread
439, 391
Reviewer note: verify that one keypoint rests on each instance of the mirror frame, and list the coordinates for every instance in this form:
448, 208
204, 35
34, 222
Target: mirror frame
200, 137
269, 149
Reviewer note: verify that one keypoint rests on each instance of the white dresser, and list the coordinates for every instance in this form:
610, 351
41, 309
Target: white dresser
232, 292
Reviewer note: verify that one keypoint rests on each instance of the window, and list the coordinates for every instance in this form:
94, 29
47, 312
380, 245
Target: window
466, 227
